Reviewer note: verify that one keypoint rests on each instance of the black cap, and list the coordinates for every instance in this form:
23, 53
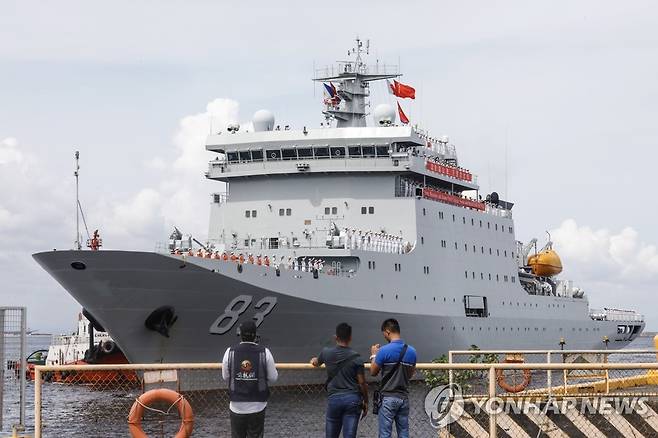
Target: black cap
248, 328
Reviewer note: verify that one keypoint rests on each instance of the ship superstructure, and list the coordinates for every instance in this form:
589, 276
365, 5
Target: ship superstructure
354, 221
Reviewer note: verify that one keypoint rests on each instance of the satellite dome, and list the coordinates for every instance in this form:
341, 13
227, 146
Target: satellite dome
263, 120
384, 115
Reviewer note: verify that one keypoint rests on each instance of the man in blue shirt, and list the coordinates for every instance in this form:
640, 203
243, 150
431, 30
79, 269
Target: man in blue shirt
395, 392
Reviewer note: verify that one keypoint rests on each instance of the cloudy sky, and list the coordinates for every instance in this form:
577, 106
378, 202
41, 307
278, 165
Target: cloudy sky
566, 90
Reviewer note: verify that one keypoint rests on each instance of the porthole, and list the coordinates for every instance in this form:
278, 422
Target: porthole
78, 266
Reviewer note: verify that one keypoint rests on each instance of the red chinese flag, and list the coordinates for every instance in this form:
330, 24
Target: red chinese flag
401, 90
403, 117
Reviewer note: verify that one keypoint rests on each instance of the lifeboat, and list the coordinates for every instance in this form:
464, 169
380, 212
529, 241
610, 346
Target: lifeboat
545, 263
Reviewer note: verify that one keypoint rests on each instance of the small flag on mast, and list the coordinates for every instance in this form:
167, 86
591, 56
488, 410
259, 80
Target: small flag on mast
403, 117
401, 90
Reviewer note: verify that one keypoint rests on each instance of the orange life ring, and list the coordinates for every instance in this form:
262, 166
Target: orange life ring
166, 395
500, 379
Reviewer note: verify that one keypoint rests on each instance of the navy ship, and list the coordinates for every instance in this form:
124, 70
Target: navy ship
362, 218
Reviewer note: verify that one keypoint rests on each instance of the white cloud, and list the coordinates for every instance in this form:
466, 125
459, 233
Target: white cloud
193, 130
9, 152
605, 255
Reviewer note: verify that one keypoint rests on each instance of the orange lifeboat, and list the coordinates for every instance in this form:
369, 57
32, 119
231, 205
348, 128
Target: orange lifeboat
545, 264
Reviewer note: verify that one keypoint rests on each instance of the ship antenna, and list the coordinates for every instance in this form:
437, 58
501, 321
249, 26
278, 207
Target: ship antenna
76, 173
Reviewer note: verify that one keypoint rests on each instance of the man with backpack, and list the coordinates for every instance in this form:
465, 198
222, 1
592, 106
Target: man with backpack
346, 385
249, 369
397, 363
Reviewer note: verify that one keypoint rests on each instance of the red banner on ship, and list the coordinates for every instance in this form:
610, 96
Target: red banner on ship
437, 195
451, 171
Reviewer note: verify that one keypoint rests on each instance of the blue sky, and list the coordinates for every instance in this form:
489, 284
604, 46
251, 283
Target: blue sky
567, 88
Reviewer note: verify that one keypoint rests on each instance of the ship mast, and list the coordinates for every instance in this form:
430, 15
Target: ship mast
352, 79
76, 173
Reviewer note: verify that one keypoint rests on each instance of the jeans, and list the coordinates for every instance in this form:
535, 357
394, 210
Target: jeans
247, 425
343, 411
394, 409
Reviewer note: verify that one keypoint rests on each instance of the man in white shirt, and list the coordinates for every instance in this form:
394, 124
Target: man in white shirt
249, 368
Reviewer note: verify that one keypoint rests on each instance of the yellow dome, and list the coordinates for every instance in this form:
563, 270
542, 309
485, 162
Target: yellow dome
545, 264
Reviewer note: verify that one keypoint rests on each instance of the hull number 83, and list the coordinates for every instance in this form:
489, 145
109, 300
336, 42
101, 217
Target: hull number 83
239, 305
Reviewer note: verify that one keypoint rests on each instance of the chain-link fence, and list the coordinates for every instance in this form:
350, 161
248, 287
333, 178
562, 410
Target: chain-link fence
12, 367
614, 400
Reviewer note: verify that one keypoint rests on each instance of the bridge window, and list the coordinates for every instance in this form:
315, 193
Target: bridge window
289, 154
247, 213
327, 210
334, 210
321, 152
354, 151
382, 151
371, 210
281, 212
368, 151
364, 210
337, 152
253, 213
232, 157
288, 211
245, 156
273, 154
305, 153
257, 155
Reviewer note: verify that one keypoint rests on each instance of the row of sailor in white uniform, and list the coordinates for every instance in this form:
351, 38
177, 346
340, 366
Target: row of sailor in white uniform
370, 241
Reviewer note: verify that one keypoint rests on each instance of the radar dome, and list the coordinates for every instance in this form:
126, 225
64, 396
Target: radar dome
263, 120
384, 115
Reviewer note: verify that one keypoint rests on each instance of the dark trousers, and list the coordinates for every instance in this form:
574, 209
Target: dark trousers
248, 425
343, 411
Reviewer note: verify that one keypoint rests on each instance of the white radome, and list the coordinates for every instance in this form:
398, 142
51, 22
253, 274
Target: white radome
384, 114
263, 120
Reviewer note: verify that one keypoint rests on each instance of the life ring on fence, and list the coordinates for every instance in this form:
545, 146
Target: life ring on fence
502, 382
166, 395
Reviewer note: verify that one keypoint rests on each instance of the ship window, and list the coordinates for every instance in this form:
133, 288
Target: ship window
440, 215
475, 306
321, 152
488, 225
338, 152
305, 152
288, 211
481, 276
424, 212
480, 224
474, 248
453, 217
489, 251
327, 210
472, 221
482, 249
274, 243
247, 213
334, 210
498, 252
232, 157
253, 213
505, 253
465, 247
216, 198
455, 245
257, 155
273, 154
496, 227
355, 151
510, 229
466, 274
422, 240
364, 210
289, 154
464, 219
371, 210
281, 212
245, 156
513, 279
382, 151
368, 151
246, 242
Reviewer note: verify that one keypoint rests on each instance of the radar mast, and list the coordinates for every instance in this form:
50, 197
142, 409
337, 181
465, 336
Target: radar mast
352, 78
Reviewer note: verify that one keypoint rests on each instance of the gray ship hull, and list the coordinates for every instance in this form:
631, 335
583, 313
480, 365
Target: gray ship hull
298, 312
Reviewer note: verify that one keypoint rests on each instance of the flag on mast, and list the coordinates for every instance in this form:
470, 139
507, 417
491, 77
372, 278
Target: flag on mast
403, 117
401, 90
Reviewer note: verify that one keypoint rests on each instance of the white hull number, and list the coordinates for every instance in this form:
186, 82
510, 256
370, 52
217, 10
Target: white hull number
237, 307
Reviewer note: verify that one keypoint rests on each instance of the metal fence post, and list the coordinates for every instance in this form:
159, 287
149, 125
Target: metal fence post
450, 375
549, 376
492, 395
23, 369
37, 402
